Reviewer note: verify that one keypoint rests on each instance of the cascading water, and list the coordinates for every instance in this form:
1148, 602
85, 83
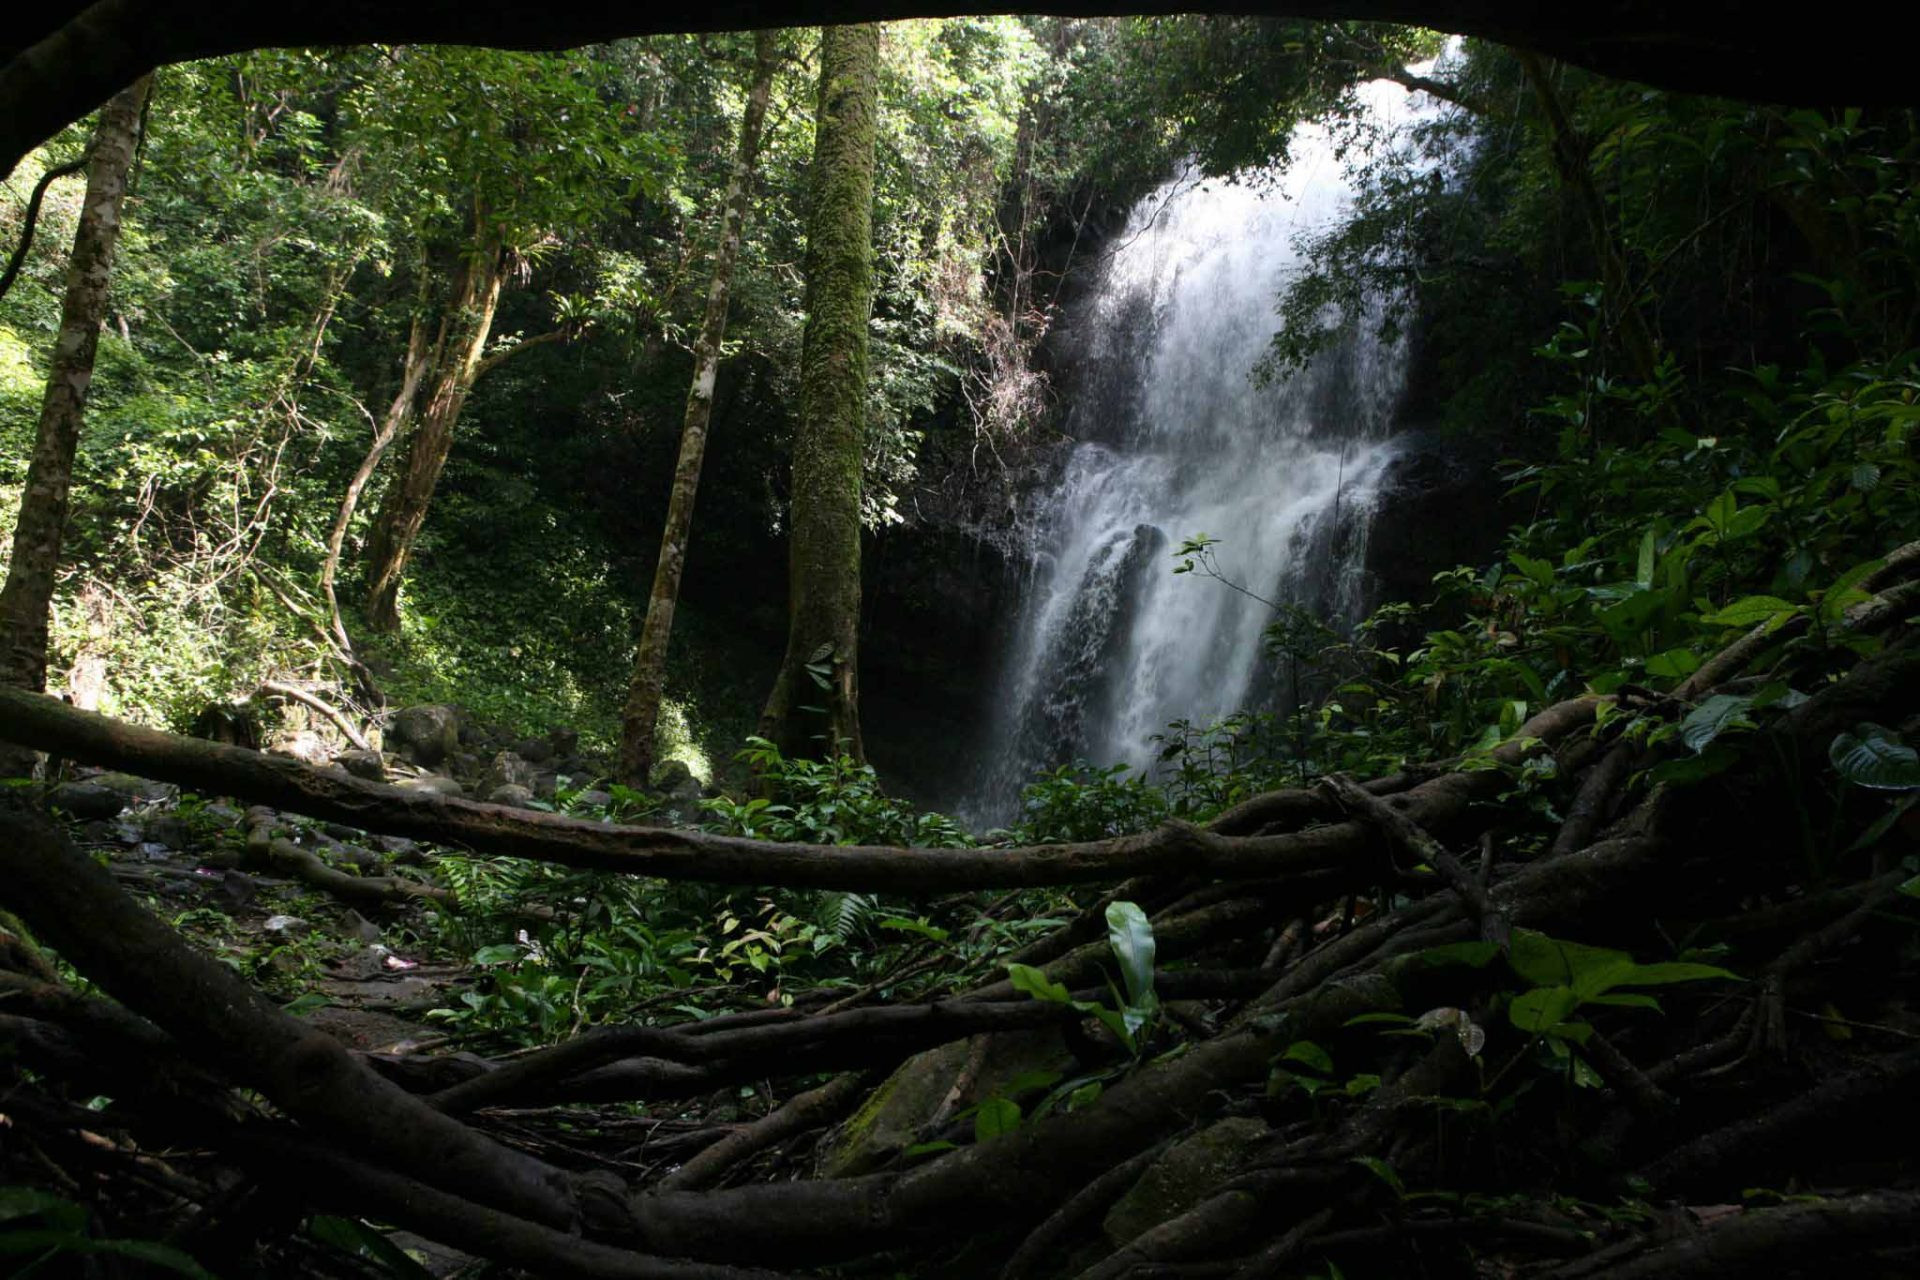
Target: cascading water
1176, 438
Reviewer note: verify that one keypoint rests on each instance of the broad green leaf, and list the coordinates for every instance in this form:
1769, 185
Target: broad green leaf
1542, 1009
1625, 1000
1309, 1054
22, 1202
995, 1117
1538, 570
1873, 756
1721, 712
1131, 937
1748, 612
1648, 557
1715, 760
1674, 664
1382, 1170
1668, 972
1472, 955
1547, 962
1035, 983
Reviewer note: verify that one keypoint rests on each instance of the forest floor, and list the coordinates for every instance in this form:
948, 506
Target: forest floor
1342, 1030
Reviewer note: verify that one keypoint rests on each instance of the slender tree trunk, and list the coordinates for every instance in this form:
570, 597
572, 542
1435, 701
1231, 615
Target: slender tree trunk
37, 538
456, 364
400, 413
1570, 158
816, 695
650, 662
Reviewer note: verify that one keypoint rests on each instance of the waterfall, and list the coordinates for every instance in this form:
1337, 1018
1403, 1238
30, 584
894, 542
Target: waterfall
1175, 437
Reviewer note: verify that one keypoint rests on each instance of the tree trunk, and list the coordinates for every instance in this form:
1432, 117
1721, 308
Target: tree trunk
650, 663
1570, 154
816, 695
399, 415
28, 594
456, 363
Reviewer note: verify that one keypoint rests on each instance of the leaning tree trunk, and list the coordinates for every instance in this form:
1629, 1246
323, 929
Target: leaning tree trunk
399, 414
650, 663
28, 594
816, 695
456, 365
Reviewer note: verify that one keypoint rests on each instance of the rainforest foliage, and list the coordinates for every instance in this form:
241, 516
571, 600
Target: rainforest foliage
1558, 920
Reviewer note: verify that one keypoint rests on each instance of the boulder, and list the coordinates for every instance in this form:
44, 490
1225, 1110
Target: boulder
508, 770
169, 830
426, 735
434, 785
534, 750
511, 793
87, 800
1187, 1174
928, 1088
565, 741
363, 764
671, 775
592, 800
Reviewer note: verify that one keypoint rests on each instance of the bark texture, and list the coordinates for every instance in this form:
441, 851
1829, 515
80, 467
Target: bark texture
821, 667
454, 365
37, 538
650, 662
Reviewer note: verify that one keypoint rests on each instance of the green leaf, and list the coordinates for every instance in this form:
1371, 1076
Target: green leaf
1715, 716
1470, 955
1035, 983
1748, 612
1644, 572
995, 1117
1547, 962
1674, 664
497, 954
23, 1202
1382, 1170
1309, 1054
1131, 937
1715, 760
1874, 757
1625, 1000
1542, 1009
1667, 973
1538, 570
351, 1236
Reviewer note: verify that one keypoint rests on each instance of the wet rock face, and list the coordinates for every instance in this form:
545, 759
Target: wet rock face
425, 735
1441, 506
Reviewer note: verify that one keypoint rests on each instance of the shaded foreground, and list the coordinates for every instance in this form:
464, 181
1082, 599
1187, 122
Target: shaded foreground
1357, 1030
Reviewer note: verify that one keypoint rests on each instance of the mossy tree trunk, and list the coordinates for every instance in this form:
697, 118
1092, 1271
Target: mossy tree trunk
453, 365
650, 662
26, 599
815, 698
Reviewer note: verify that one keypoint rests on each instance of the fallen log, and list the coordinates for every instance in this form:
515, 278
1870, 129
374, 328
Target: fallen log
672, 854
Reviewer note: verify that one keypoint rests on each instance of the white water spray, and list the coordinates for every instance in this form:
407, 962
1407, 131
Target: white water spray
1176, 438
